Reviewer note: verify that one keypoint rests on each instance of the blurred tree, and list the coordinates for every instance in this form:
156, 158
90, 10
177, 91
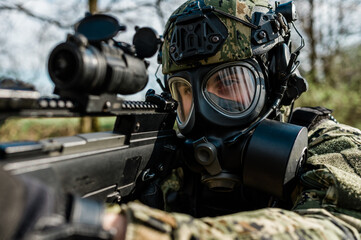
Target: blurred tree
70, 12
345, 98
328, 26
19, 7
41, 24
331, 29
332, 32
93, 6
90, 124
31, 31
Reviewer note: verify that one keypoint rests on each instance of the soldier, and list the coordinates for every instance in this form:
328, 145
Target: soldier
242, 172
230, 68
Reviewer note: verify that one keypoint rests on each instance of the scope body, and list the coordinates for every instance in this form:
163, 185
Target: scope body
95, 68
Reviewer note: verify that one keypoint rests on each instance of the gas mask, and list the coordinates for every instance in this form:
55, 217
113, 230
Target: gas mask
215, 104
226, 101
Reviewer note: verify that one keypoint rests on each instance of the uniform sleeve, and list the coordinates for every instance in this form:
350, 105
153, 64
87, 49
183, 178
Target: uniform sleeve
334, 169
269, 223
328, 205
333, 177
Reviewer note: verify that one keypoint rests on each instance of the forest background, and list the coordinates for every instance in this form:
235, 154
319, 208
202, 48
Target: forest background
30, 29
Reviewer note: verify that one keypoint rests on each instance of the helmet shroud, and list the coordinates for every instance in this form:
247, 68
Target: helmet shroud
237, 45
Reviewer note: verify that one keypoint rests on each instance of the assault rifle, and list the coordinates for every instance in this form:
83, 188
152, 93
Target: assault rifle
89, 70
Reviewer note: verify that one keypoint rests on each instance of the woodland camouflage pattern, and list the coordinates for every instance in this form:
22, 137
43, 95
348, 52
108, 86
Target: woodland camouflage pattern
238, 43
327, 203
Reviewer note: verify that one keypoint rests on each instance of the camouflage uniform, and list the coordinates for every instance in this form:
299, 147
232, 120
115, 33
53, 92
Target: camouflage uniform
327, 203
327, 200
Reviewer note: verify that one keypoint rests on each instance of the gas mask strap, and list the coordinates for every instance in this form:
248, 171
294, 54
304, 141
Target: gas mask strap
248, 24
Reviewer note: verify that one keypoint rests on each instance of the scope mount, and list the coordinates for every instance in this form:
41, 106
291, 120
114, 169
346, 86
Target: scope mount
29, 103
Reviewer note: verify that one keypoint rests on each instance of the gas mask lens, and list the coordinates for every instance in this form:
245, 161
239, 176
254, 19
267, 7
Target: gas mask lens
231, 89
181, 91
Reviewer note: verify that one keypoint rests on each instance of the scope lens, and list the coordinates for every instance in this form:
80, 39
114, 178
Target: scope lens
64, 65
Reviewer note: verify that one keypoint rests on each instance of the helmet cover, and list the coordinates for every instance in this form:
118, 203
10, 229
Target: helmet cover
237, 46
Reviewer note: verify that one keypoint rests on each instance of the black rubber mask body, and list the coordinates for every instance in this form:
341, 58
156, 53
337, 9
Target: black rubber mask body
267, 159
252, 159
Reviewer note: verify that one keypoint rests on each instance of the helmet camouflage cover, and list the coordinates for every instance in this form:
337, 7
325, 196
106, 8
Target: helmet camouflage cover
237, 45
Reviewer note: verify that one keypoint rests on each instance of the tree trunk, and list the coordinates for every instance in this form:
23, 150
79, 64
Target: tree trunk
313, 42
93, 6
90, 124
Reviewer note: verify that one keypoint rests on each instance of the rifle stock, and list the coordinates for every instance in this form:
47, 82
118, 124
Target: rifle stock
104, 166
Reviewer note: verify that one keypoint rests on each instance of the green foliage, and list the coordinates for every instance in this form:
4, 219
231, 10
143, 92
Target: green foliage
35, 129
340, 88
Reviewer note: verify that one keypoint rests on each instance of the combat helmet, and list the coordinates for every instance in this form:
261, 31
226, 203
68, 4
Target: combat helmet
241, 32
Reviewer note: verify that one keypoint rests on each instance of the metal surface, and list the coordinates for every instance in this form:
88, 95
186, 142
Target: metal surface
20, 103
96, 165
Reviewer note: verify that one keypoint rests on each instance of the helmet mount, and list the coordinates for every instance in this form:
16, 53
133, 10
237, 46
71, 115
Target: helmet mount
197, 33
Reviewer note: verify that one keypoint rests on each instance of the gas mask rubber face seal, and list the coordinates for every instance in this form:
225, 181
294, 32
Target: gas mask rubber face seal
181, 91
228, 95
